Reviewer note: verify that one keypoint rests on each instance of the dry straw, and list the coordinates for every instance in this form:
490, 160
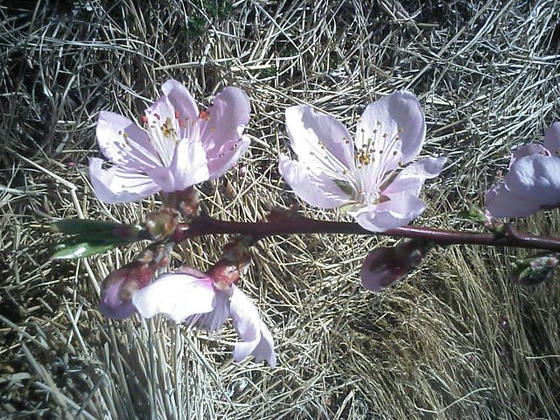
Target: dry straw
457, 339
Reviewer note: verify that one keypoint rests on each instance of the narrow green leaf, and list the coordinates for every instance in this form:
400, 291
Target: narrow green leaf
80, 249
96, 230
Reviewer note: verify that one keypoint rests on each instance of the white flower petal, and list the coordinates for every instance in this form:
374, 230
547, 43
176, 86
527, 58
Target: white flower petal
214, 320
249, 326
397, 115
124, 143
317, 190
552, 139
411, 178
536, 177
118, 185
220, 164
319, 141
163, 128
226, 120
399, 210
176, 295
187, 168
501, 202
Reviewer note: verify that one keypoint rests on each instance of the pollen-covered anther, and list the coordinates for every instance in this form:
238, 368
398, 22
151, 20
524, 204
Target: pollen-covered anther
204, 115
364, 158
212, 129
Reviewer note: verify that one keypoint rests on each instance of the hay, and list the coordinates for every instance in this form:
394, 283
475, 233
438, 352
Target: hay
455, 340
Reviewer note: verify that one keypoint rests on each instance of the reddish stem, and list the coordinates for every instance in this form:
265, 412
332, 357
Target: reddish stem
288, 224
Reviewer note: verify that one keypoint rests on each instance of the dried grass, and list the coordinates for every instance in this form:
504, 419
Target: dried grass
457, 339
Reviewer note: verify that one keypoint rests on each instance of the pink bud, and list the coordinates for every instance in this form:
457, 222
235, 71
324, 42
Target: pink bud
385, 266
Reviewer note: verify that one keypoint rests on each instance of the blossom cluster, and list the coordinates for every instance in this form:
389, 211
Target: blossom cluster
374, 176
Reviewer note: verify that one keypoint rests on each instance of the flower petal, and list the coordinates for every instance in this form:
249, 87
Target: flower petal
552, 139
399, 210
501, 202
527, 150
118, 185
256, 337
317, 190
181, 100
212, 321
320, 141
176, 295
221, 130
187, 168
536, 177
411, 178
111, 305
163, 128
220, 164
124, 143
398, 114
265, 348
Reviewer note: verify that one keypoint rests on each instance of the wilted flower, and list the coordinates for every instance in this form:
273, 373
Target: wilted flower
384, 266
367, 176
119, 286
206, 301
533, 180
177, 147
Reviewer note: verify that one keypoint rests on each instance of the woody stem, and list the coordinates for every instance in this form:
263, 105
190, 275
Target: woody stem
290, 225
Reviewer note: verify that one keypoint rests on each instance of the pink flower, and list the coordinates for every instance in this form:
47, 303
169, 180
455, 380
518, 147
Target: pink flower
367, 176
191, 296
533, 180
177, 147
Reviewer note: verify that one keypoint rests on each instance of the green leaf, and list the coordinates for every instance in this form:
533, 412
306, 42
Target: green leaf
80, 249
97, 230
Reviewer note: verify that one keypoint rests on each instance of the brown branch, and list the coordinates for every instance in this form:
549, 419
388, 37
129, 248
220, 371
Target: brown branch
281, 224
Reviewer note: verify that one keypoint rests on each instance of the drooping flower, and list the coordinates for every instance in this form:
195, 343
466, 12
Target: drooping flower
367, 176
177, 147
191, 296
119, 286
533, 180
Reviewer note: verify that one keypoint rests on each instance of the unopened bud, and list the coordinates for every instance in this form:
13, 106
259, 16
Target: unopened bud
224, 274
186, 202
161, 224
385, 266
534, 270
476, 215
235, 261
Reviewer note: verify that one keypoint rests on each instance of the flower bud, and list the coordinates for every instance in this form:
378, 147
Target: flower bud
161, 224
186, 202
384, 266
235, 261
534, 270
